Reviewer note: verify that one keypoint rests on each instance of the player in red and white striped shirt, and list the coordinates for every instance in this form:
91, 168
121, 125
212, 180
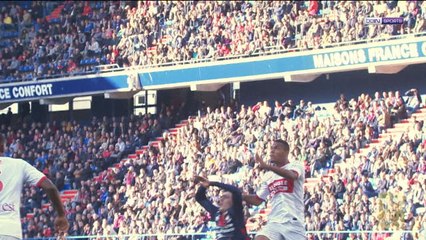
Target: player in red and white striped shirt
282, 186
14, 173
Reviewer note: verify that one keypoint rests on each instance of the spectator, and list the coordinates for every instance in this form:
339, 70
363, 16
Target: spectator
147, 34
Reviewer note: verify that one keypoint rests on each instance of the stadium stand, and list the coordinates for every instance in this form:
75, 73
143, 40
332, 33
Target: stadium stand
71, 154
71, 38
58, 38
351, 187
365, 159
385, 176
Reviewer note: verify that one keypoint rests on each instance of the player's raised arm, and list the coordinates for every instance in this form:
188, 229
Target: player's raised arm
237, 197
201, 197
285, 173
229, 216
252, 199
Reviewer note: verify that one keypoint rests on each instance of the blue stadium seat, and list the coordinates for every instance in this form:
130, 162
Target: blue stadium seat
8, 34
25, 4
10, 79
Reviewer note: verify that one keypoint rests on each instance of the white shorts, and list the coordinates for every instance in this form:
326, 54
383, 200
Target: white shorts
283, 231
4, 237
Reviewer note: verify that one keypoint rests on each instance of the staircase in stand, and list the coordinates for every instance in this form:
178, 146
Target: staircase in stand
395, 132
56, 13
70, 195
66, 195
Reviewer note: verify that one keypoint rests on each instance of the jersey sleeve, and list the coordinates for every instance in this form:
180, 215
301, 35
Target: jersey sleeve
32, 175
297, 168
263, 191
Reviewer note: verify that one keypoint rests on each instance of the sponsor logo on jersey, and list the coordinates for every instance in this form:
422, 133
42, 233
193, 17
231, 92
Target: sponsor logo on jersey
7, 207
281, 186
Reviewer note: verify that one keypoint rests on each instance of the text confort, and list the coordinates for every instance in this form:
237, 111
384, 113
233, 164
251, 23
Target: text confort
369, 55
37, 90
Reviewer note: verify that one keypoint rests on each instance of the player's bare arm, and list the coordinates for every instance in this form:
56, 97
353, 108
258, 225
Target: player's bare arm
252, 199
61, 222
285, 173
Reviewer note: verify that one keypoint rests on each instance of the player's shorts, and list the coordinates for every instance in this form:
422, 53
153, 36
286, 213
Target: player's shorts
4, 237
293, 230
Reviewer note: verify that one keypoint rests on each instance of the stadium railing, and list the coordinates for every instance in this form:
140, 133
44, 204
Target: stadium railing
320, 235
273, 50
278, 49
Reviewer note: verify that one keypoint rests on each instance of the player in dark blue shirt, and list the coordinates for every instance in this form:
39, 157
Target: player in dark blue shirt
229, 216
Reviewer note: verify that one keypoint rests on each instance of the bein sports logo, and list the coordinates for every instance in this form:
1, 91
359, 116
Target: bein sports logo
384, 20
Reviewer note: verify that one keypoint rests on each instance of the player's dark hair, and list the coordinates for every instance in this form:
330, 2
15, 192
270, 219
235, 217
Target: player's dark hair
284, 144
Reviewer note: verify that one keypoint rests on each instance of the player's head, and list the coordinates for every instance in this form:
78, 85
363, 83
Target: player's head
279, 152
225, 200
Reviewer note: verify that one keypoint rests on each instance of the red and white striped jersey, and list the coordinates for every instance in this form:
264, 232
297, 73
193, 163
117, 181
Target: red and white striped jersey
284, 195
14, 173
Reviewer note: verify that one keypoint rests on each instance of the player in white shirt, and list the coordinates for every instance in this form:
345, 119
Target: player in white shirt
14, 173
282, 186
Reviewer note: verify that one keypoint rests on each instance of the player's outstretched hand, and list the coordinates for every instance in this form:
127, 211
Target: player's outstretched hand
260, 163
203, 181
61, 225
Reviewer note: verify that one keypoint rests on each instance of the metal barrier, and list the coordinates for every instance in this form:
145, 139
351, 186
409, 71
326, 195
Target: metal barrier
316, 235
278, 49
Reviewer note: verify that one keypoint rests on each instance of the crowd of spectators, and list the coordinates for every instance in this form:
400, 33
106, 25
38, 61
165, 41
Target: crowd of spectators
161, 32
154, 192
143, 33
71, 154
82, 36
383, 190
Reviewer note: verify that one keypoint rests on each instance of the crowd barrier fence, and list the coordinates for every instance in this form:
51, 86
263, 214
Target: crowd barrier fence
272, 50
315, 235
